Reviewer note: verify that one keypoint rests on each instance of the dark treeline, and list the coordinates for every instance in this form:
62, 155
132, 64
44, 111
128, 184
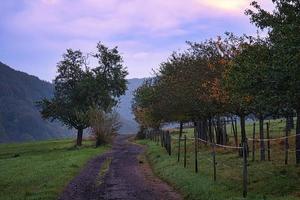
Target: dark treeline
214, 80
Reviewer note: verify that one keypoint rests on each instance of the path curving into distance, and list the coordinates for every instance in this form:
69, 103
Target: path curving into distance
127, 178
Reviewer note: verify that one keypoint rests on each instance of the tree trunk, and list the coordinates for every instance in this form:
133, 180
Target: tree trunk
298, 137
98, 143
226, 139
198, 126
210, 130
79, 136
243, 128
196, 132
261, 136
243, 135
290, 122
219, 131
205, 129
234, 130
180, 129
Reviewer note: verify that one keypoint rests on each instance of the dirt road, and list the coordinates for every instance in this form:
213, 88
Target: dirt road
127, 177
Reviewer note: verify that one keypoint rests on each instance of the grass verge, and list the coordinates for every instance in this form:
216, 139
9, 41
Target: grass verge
40, 170
103, 170
267, 180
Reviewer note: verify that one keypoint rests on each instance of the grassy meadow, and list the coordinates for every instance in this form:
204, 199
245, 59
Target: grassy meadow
267, 179
40, 170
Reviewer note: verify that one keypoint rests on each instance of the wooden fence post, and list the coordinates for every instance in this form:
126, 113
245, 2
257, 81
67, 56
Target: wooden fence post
224, 131
162, 138
184, 150
158, 134
245, 170
179, 141
214, 160
236, 133
152, 135
268, 143
196, 152
167, 142
253, 143
170, 143
286, 146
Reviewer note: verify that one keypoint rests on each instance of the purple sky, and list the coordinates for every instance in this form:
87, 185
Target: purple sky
35, 33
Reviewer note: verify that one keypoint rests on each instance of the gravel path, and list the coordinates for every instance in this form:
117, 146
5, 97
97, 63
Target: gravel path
127, 178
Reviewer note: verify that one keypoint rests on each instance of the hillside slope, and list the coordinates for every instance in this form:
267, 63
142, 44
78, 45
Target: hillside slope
129, 125
19, 118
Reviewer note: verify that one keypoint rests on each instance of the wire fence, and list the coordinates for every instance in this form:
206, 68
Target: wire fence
167, 140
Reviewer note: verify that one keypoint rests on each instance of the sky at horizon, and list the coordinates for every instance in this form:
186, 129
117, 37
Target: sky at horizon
35, 33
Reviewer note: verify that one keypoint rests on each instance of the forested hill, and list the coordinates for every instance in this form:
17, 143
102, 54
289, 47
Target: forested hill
129, 125
19, 118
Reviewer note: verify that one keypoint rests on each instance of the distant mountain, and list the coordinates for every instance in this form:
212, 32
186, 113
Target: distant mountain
21, 121
129, 125
19, 118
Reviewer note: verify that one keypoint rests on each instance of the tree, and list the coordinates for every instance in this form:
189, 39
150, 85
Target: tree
144, 105
249, 81
77, 88
220, 94
283, 25
186, 86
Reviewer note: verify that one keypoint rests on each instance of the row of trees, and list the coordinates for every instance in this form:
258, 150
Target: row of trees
230, 76
84, 92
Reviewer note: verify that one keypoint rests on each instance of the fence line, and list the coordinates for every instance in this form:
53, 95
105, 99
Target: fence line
293, 151
219, 145
166, 141
273, 139
207, 142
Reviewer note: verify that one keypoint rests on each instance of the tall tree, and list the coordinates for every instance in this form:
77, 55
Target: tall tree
283, 25
186, 86
78, 88
252, 77
145, 105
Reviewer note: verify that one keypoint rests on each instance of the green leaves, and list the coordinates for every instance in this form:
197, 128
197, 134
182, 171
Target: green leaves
283, 25
79, 86
187, 86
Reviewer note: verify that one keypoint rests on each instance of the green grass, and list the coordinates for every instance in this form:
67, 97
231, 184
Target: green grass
103, 170
40, 170
277, 128
267, 180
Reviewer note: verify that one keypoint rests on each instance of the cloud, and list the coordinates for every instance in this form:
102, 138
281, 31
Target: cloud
104, 19
147, 31
91, 18
225, 5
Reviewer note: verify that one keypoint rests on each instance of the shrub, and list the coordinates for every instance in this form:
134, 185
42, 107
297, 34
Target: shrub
104, 125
